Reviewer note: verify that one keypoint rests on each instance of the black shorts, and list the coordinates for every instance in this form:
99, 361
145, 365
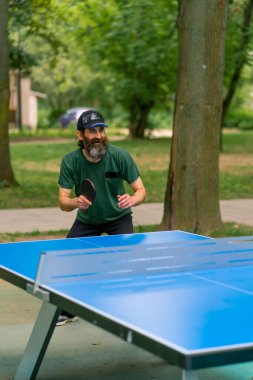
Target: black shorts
123, 225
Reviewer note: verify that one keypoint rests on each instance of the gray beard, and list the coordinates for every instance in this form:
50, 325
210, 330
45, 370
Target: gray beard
97, 153
93, 151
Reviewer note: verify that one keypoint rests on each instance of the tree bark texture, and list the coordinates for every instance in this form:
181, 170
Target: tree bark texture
192, 194
6, 173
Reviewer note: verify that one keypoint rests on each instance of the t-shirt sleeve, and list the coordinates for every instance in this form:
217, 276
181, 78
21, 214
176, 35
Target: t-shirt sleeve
130, 169
66, 179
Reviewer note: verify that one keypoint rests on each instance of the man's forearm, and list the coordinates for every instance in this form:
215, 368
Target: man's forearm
68, 204
139, 197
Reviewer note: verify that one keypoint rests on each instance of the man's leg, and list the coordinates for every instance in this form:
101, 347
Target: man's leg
123, 225
80, 229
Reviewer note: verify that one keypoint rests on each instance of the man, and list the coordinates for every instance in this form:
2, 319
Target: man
107, 166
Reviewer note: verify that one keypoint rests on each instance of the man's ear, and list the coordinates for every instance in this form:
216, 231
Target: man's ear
79, 135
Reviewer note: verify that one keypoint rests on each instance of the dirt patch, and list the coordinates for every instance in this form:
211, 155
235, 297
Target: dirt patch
228, 161
51, 167
17, 306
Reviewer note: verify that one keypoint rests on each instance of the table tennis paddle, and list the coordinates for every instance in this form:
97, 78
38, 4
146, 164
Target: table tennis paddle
88, 190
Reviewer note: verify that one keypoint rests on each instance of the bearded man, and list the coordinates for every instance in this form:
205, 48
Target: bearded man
107, 166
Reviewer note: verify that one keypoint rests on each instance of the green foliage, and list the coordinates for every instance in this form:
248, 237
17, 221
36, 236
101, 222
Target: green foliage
39, 48
241, 119
109, 55
30, 20
65, 83
239, 46
234, 40
134, 48
160, 119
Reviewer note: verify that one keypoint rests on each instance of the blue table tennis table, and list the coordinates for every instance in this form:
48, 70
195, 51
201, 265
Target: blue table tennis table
184, 297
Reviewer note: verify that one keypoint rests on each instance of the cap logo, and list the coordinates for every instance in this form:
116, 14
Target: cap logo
94, 116
88, 118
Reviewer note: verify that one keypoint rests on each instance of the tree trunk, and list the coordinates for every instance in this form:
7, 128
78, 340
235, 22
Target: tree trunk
6, 173
139, 119
133, 118
192, 194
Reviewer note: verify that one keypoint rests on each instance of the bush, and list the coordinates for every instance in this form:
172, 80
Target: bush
242, 120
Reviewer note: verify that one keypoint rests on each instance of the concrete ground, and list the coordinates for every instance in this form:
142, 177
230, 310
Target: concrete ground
53, 219
80, 350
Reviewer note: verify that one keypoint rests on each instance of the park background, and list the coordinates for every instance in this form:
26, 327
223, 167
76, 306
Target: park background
121, 58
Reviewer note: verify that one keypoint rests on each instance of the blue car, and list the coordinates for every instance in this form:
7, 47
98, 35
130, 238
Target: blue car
71, 116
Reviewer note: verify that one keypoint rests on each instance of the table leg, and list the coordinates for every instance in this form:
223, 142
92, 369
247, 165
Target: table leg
190, 375
38, 342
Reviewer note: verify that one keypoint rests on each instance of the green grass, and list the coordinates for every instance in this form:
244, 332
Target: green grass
36, 167
241, 142
230, 229
18, 236
237, 185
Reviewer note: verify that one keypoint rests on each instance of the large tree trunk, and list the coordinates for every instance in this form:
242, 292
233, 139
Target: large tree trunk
6, 173
192, 194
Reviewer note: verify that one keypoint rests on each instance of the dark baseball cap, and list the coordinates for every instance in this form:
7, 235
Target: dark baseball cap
90, 119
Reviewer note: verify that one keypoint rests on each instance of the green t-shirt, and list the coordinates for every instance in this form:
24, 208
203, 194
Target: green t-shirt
107, 175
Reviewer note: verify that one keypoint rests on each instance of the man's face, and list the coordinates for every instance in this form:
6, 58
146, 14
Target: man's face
95, 142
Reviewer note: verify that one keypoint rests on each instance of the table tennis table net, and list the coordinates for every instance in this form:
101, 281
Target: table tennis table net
153, 261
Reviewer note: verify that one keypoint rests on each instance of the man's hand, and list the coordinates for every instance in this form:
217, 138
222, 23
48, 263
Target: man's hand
126, 201
68, 204
83, 203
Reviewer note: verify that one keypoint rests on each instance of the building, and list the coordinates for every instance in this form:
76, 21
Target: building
28, 100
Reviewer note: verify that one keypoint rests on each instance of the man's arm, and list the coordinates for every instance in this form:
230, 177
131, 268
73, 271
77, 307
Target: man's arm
67, 203
126, 200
